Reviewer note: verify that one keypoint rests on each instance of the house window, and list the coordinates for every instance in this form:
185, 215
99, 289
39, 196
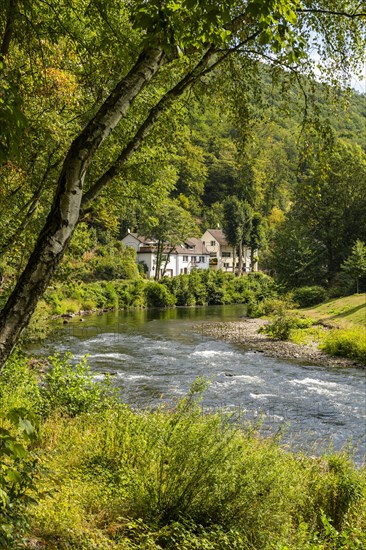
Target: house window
213, 243
213, 255
193, 259
185, 258
202, 259
226, 265
226, 254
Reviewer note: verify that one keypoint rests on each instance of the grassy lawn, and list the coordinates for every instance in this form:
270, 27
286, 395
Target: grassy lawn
344, 312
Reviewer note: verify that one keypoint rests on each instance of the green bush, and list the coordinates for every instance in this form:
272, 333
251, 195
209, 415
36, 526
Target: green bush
20, 469
307, 296
346, 343
158, 295
19, 387
266, 307
71, 389
284, 321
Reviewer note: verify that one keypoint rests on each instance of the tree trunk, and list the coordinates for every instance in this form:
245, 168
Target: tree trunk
8, 31
240, 267
251, 259
159, 259
65, 211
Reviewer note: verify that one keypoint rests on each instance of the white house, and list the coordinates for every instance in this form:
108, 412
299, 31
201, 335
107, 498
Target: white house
189, 255
221, 253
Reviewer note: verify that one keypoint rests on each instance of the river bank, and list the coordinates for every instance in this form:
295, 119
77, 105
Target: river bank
245, 333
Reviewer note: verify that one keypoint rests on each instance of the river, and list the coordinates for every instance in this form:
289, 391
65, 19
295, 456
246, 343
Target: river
155, 356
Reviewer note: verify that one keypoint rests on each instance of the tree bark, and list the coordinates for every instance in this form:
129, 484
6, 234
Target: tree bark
251, 259
8, 31
240, 266
65, 211
159, 259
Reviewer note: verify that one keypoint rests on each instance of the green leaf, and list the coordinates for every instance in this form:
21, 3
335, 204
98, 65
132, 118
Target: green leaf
26, 426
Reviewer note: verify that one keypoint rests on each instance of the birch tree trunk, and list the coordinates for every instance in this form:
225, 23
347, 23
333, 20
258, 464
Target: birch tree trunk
64, 214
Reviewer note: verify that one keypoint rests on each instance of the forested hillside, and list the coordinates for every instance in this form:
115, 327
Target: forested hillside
302, 169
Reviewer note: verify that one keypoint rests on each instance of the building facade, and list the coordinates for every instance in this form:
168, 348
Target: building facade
189, 255
222, 255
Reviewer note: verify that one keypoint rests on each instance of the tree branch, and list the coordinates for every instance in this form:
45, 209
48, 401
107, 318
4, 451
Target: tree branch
331, 12
200, 70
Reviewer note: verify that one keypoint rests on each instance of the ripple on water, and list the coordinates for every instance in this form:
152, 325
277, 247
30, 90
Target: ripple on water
322, 387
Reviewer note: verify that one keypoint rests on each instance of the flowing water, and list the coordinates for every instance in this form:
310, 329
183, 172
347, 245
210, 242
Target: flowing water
154, 356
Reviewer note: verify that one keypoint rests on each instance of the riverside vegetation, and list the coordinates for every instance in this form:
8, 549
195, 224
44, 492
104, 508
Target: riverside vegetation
259, 292
222, 121
324, 324
83, 471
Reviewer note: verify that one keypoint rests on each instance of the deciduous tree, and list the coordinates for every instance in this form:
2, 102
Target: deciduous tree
134, 77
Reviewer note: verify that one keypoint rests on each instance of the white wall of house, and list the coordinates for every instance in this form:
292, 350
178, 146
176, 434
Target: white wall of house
182, 260
224, 254
191, 260
149, 260
177, 265
130, 240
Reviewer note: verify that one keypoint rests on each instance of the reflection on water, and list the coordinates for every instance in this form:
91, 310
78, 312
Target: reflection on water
156, 355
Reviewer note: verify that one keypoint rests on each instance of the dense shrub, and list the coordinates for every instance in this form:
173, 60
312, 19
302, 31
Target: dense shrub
284, 321
266, 307
158, 295
71, 389
346, 343
307, 296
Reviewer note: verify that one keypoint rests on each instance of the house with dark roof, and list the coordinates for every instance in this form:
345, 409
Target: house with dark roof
192, 254
222, 255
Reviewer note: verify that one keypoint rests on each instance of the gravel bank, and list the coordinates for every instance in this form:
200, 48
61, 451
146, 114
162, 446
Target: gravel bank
245, 333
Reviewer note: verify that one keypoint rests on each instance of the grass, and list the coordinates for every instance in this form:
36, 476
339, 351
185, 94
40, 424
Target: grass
347, 338
106, 477
345, 312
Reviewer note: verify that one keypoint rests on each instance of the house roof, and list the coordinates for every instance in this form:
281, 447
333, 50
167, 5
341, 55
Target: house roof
190, 246
145, 241
219, 236
194, 245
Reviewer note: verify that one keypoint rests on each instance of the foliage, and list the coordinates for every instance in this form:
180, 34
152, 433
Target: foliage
183, 479
99, 262
71, 389
284, 322
325, 218
19, 473
355, 264
158, 295
307, 296
346, 343
19, 387
237, 224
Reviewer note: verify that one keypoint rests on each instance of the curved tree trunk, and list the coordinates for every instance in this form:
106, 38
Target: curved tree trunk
65, 211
